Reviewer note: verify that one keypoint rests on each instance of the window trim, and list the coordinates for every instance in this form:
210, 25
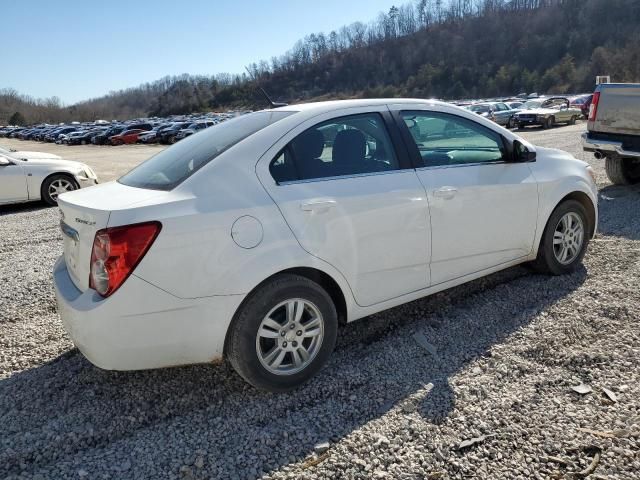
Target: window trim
414, 152
394, 135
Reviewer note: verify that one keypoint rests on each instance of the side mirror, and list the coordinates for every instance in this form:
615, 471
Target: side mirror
521, 153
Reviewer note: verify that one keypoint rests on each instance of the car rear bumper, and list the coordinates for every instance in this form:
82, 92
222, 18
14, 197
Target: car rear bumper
610, 146
141, 326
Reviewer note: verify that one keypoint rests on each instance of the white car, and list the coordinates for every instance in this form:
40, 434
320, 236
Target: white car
251, 239
26, 178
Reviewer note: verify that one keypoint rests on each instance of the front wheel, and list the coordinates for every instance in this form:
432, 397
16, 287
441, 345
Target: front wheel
573, 120
55, 185
565, 239
283, 333
548, 123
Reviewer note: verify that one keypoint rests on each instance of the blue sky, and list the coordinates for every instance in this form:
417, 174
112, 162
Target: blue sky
81, 49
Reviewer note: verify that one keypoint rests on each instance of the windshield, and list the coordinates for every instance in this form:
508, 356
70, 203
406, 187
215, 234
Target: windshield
533, 104
479, 108
172, 166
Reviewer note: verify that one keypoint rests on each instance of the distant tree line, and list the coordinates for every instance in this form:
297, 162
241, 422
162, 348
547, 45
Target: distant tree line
429, 49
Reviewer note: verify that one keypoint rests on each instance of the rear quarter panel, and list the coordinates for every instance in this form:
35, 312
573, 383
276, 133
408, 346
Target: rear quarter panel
195, 255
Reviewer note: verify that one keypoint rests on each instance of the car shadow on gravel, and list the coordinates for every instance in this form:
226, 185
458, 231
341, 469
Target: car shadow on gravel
23, 207
68, 414
619, 211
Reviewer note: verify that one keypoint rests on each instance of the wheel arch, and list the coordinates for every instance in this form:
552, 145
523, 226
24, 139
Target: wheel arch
54, 174
588, 205
326, 281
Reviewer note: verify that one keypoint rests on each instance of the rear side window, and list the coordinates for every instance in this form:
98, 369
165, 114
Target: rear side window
172, 166
344, 146
444, 139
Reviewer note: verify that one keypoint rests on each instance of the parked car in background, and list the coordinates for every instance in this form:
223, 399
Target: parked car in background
547, 112
126, 137
582, 102
103, 138
29, 179
613, 130
168, 135
498, 112
55, 134
84, 137
301, 233
193, 128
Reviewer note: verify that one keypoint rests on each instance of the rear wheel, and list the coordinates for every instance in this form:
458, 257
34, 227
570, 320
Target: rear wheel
565, 239
55, 185
520, 126
283, 333
622, 171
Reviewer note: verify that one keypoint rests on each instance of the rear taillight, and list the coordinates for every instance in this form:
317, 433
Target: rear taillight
116, 253
593, 108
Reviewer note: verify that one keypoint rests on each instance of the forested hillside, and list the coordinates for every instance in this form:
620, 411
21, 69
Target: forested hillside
428, 48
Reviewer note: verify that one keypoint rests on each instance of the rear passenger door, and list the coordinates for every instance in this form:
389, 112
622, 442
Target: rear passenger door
483, 207
345, 186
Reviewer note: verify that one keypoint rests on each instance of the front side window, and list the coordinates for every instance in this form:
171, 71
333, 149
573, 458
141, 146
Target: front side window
445, 140
172, 166
344, 146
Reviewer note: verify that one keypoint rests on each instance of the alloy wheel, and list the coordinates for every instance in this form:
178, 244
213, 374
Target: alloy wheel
60, 186
290, 336
568, 238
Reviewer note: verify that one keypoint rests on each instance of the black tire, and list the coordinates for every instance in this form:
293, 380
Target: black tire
548, 123
172, 139
546, 262
622, 171
44, 192
573, 120
240, 346
520, 126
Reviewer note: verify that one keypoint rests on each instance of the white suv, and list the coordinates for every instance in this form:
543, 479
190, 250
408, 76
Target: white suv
251, 239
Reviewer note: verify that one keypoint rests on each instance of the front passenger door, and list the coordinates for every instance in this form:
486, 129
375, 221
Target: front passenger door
13, 182
483, 207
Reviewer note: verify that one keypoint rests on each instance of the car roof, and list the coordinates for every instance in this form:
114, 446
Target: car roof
327, 106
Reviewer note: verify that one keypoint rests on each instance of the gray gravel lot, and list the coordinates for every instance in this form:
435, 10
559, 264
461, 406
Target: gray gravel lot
508, 350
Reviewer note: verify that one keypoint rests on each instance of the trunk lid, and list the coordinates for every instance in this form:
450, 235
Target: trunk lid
83, 213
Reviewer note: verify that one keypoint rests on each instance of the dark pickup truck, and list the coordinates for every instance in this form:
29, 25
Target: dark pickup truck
613, 130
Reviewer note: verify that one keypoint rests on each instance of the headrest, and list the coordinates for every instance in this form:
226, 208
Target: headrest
308, 145
349, 146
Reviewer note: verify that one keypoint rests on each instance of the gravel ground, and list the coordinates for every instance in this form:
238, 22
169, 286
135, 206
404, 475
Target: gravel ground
488, 396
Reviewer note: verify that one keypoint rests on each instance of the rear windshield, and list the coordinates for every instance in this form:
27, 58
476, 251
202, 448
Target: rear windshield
172, 166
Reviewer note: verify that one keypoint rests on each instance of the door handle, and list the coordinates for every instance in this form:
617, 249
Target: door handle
446, 192
318, 206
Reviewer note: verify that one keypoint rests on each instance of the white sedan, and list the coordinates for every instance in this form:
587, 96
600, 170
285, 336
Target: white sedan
253, 238
31, 176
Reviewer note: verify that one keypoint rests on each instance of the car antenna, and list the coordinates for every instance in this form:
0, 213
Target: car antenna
272, 104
